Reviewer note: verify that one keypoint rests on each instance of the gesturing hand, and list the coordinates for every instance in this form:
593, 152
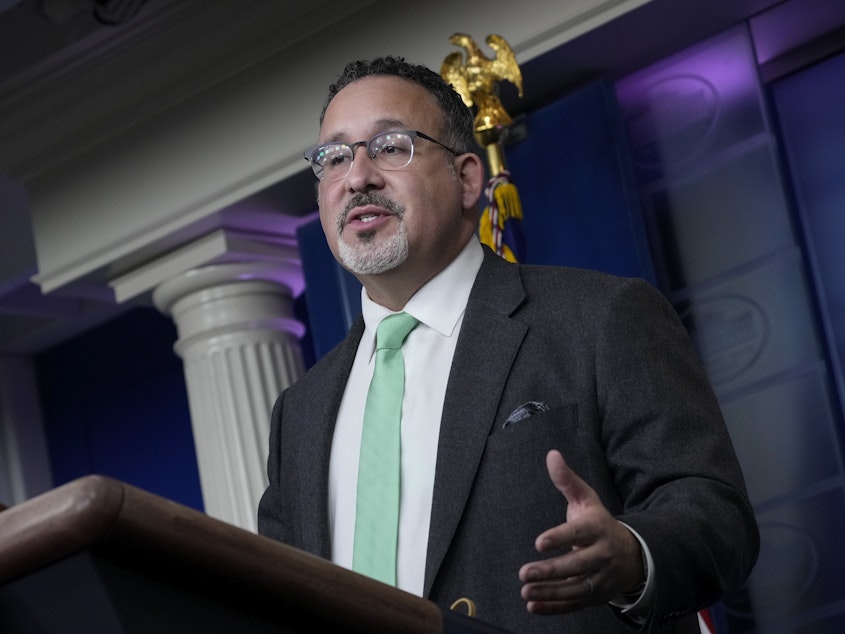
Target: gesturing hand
603, 558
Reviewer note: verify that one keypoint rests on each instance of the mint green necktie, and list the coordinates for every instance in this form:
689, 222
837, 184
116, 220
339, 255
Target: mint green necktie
377, 506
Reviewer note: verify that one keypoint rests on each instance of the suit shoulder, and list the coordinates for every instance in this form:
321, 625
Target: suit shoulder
593, 297
578, 279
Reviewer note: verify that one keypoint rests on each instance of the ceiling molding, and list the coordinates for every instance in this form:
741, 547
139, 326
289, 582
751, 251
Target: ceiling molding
113, 79
175, 51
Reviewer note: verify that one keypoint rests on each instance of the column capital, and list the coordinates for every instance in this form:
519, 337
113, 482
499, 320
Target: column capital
238, 340
229, 300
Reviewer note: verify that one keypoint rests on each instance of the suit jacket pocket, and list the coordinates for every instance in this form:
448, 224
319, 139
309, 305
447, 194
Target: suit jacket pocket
515, 457
549, 428
513, 486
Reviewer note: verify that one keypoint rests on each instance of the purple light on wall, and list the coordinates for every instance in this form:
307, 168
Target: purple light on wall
690, 102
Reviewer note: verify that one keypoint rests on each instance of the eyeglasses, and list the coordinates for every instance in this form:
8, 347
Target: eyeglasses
391, 150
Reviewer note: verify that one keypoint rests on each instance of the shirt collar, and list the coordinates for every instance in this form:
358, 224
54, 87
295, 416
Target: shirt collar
439, 303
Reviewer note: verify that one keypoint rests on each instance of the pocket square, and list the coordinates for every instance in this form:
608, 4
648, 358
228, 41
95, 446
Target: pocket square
524, 411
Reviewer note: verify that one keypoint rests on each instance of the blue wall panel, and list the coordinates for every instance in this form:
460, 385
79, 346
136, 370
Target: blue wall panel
811, 113
728, 256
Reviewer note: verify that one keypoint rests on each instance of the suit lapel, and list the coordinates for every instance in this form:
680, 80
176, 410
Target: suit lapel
487, 346
320, 416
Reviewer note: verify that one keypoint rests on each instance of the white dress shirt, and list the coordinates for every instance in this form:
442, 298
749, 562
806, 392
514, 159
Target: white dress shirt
439, 307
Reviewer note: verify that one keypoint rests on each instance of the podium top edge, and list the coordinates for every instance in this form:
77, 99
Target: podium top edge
57, 523
151, 535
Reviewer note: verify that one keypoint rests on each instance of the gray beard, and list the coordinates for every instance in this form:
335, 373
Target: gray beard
365, 257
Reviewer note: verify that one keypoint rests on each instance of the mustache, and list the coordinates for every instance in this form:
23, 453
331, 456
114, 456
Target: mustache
371, 198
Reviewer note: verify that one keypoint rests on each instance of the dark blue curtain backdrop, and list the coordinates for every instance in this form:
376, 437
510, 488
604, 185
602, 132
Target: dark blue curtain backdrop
575, 174
115, 404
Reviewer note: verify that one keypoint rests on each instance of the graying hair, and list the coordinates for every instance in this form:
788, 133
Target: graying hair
458, 119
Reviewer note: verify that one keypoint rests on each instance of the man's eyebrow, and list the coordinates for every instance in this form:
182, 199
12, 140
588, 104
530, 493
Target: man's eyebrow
391, 124
339, 137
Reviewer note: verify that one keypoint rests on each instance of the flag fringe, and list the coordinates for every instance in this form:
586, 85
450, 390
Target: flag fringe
504, 206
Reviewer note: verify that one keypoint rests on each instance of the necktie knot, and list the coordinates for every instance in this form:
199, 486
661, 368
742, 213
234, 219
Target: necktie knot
393, 330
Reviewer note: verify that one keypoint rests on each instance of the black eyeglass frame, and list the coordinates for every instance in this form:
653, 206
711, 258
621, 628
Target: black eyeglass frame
318, 169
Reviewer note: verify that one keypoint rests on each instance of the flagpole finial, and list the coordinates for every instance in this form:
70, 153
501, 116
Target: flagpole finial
475, 77
476, 80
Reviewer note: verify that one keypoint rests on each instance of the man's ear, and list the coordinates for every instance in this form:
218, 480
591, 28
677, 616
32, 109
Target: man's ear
471, 172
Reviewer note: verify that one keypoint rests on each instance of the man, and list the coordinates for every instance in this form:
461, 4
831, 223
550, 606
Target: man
564, 464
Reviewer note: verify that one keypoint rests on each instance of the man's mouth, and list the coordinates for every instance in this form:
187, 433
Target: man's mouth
367, 215
367, 212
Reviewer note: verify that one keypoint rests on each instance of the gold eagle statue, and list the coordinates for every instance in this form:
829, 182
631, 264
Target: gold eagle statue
475, 79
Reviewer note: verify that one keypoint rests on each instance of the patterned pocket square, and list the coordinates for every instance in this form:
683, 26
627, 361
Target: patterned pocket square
524, 411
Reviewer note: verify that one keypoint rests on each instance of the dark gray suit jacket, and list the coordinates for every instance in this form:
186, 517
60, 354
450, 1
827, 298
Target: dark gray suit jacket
628, 406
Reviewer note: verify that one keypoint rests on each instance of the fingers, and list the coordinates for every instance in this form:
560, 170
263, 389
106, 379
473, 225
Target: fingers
572, 565
588, 575
563, 595
568, 582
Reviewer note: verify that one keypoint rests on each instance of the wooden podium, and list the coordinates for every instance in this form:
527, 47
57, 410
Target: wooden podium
98, 555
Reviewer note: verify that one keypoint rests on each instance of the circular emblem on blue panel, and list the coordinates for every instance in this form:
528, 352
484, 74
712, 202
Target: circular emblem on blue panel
729, 333
786, 568
673, 120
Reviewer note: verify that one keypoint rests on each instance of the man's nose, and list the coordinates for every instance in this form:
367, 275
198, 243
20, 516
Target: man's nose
364, 174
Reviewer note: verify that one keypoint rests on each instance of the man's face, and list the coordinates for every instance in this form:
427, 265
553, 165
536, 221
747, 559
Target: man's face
378, 221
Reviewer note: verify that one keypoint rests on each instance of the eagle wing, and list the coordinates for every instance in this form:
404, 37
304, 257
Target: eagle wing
452, 70
504, 65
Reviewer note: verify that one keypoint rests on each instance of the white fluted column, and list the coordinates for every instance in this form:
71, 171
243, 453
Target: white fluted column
239, 343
